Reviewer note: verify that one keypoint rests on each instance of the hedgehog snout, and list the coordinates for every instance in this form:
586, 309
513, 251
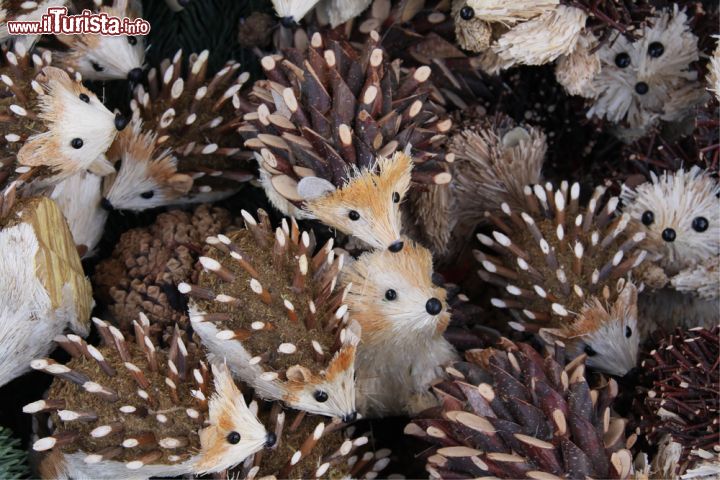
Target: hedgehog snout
396, 246
106, 205
350, 417
270, 440
135, 75
120, 122
668, 235
433, 306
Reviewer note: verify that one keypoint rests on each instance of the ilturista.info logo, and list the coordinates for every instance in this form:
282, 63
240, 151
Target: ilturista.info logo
57, 22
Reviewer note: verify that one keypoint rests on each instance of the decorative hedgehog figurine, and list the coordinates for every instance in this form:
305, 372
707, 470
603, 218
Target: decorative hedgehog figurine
328, 111
54, 124
311, 447
270, 308
510, 413
679, 212
44, 290
403, 317
195, 118
31, 11
106, 57
561, 267
128, 409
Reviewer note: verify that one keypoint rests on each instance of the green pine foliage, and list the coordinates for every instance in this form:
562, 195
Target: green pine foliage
12, 457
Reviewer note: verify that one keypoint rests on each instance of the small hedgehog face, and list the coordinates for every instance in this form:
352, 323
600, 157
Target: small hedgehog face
143, 180
613, 340
680, 212
234, 433
80, 128
368, 206
472, 32
393, 293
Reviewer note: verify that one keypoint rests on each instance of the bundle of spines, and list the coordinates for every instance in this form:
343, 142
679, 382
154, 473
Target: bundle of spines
561, 267
148, 263
194, 116
510, 413
271, 308
333, 108
13, 464
311, 447
129, 409
682, 405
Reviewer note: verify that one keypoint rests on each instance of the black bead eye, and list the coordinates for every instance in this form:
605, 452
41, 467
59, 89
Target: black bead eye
622, 60
467, 13
97, 67
132, 40
76, 143
320, 396
84, 98
628, 332
233, 437
700, 224
149, 194
396, 197
353, 215
641, 88
656, 49
648, 217
590, 351
390, 294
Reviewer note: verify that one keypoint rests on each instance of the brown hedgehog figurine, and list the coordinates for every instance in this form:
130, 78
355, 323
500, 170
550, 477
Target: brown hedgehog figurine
561, 267
309, 446
195, 117
272, 310
327, 112
510, 413
54, 125
128, 409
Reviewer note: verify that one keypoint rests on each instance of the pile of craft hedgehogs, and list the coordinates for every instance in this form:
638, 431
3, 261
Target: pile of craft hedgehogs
445, 239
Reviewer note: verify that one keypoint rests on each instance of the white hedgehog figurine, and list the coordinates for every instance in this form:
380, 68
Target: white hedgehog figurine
130, 410
43, 290
680, 214
24, 12
403, 316
107, 57
270, 308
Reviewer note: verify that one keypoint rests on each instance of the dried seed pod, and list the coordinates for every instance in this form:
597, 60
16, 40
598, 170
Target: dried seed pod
679, 212
44, 290
562, 267
682, 406
194, 116
271, 309
128, 409
510, 413
330, 110
54, 125
403, 317
311, 447
107, 57
148, 263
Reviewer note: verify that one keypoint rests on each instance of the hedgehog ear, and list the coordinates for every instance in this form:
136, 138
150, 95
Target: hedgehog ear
181, 183
101, 166
298, 373
310, 188
550, 335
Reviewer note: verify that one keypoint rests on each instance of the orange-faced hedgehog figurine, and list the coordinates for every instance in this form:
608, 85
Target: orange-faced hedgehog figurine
403, 316
128, 409
562, 267
275, 313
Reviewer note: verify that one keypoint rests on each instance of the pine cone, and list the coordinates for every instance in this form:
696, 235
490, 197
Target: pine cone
332, 108
561, 267
683, 402
148, 263
509, 413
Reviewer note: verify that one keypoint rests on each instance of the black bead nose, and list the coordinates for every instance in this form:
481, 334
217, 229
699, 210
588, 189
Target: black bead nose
287, 22
350, 417
135, 75
396, 246
106, 205
631, 376
668, 235
120, 122
433, 306
270, 440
